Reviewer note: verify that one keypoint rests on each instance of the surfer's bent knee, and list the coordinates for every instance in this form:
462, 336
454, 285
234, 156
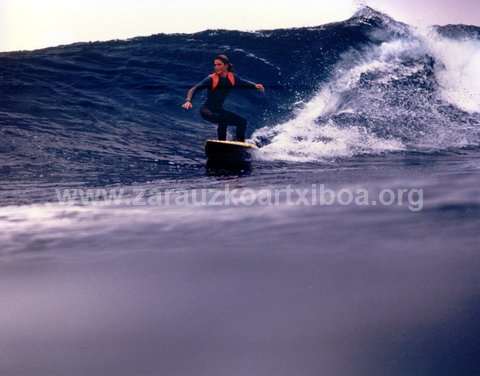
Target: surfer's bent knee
206, 114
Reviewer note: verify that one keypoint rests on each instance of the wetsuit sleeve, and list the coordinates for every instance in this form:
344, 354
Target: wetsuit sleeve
205, 83
243, 83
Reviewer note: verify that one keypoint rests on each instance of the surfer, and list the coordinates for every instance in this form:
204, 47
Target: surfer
219, 84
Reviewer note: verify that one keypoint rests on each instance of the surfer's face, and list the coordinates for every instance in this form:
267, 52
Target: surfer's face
219, 66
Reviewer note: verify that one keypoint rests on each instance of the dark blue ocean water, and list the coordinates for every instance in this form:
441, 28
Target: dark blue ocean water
240, 285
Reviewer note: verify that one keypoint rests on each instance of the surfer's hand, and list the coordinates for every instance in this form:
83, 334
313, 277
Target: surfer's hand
187, 105
260, 87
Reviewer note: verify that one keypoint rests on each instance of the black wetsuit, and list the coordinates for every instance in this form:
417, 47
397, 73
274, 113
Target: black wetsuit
212, 110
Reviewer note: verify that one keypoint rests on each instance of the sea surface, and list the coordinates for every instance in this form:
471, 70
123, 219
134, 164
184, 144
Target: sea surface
349, 246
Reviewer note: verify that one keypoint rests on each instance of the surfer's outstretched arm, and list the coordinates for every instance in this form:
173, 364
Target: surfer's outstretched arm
243, 83
205, 83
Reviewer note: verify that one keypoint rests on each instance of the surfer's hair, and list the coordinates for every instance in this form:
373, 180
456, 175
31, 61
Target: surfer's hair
225, 60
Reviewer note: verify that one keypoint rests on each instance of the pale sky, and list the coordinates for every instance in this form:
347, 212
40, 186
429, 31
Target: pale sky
32, 24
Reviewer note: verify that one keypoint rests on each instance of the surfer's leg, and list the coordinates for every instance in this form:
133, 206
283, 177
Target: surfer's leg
239, 122
209, 115
240, 132
217, 118
222, 131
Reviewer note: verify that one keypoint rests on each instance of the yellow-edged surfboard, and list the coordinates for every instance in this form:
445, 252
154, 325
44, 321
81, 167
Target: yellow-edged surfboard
228, 152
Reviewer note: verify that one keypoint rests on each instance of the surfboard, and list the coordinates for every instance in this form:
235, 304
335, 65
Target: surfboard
228, 152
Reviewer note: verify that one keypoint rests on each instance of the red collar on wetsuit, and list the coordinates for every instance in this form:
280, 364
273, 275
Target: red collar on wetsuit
216, 79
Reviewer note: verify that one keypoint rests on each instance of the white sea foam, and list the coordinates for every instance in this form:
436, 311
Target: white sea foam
458, 71
312, 133
303, 139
